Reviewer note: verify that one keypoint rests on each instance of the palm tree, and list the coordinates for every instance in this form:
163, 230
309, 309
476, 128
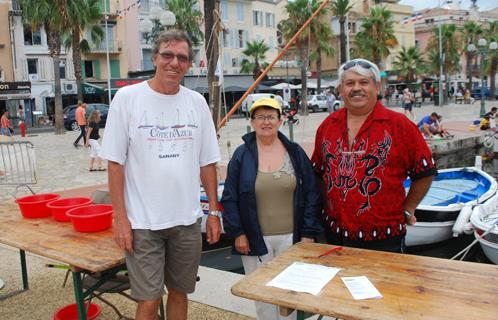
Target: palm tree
298, 12
187, 18
84, 15
492, 61
52, 15
451, 42
212, 53
321, 38
470, 33
341, 8
409, 64
376, 37
257, 51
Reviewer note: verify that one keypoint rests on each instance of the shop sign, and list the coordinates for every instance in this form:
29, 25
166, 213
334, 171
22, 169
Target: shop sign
15, 86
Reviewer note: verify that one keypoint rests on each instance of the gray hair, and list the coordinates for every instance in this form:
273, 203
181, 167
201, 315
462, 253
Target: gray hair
173, 35
371, 72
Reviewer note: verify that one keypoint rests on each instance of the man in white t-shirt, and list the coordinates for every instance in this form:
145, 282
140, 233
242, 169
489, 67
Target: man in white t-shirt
159, 139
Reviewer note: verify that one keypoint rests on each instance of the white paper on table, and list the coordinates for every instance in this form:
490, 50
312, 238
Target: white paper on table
304, 277
361, 288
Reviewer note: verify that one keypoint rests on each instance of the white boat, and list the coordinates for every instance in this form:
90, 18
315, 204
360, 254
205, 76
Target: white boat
447, 206
205, 206
484, 220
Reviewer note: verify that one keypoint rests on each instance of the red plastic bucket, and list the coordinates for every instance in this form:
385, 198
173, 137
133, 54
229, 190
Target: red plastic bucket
92, 218
70, 312
35, 206
61, 206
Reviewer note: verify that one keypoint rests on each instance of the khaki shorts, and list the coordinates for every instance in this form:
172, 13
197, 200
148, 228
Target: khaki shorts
168, 257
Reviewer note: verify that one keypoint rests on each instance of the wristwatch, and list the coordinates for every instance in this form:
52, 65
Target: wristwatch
408, 214
215, 213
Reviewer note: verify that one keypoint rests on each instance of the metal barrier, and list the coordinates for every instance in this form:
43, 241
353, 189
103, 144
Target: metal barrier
17, 164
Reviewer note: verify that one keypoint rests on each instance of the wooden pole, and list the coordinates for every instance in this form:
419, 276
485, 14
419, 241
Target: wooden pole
262, 75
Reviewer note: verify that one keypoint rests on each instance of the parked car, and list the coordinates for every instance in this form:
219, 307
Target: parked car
476, 93
319, 102
70, 119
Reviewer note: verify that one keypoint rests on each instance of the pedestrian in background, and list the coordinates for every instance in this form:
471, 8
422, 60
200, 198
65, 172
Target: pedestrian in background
22, 125
330, 101
6, 129
80, 116
92, 141
408, 99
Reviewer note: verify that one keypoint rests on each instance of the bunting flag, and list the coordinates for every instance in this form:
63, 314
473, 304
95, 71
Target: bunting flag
122, 13
414, 17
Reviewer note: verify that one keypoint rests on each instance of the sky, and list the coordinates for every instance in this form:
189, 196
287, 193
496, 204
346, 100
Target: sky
464, 4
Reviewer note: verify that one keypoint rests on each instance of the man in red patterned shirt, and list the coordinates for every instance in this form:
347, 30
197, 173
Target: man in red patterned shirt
363, 154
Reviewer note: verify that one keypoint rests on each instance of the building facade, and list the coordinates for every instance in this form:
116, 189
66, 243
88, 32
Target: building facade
451, 14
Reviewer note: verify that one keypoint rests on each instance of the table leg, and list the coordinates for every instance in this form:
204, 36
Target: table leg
24, 270
24, 274
78, 295
302, 315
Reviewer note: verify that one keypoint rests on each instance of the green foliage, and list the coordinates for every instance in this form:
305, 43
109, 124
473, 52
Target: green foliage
257, 51
451, 41
376, 37
321, 33
409, 63
340, 9
187, 18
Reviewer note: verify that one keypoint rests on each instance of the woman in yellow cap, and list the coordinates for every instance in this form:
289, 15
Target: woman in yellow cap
271, 198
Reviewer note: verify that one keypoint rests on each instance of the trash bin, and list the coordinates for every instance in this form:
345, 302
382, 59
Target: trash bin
436, 99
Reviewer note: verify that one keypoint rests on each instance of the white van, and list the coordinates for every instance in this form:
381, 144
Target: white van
253, 97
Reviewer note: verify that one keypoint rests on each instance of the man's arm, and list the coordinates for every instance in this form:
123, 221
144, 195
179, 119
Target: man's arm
417, 191
210, 183
122, 227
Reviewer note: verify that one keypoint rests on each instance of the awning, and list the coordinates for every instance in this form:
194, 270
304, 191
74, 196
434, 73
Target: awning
90, 88
15, 96
283, 85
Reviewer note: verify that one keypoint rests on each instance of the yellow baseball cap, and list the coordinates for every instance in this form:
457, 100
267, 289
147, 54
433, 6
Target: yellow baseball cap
266, 102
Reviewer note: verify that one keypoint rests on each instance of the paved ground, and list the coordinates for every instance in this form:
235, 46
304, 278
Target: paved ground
60, 166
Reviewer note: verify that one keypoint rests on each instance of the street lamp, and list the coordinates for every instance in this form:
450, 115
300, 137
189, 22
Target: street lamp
482, 49
159, 20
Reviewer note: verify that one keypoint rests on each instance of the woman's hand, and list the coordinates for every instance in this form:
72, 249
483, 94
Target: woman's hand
242, 244
307, 240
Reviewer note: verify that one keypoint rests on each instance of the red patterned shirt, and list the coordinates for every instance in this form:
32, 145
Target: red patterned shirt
364, 183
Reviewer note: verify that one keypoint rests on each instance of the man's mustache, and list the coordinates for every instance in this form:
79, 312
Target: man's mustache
357, 93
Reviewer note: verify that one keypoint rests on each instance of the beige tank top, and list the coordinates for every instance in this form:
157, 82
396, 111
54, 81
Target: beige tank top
275, 199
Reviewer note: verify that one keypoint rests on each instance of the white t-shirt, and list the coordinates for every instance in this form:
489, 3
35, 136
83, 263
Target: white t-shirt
162, 141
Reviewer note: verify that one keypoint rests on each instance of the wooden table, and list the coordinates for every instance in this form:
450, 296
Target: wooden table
83, 252
413, 287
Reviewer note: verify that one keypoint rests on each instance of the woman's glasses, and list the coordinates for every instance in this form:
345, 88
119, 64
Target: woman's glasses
261, 118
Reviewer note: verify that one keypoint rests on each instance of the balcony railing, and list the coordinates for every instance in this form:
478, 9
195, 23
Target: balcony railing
114, 47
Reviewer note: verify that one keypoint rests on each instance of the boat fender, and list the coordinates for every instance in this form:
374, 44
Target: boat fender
468, 228
462, 220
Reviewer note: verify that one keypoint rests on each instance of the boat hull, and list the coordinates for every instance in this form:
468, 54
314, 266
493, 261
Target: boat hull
451, 190
489, 248
424, 233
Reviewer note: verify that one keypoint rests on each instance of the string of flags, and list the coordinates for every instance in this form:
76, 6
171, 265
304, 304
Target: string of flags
413, 18
122, 13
